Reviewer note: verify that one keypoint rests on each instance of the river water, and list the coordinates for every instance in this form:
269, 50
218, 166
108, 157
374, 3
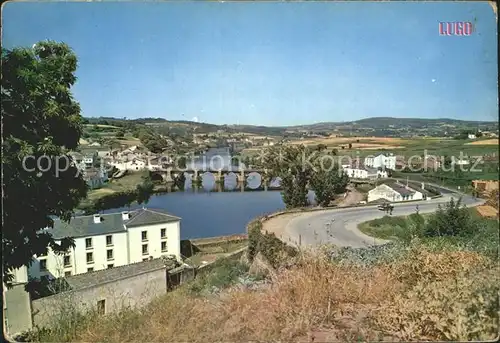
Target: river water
205, 213
209, 214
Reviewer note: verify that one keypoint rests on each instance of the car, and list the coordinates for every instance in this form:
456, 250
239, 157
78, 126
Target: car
385, 207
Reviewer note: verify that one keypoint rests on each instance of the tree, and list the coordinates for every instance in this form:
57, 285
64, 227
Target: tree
293, 165
321, 147
327, 182
120, 134
41, 121
451, 220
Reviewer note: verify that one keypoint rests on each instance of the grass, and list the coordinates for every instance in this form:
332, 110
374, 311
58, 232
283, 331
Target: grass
398, 228
422, 295
211, 252
126, 183
419, 290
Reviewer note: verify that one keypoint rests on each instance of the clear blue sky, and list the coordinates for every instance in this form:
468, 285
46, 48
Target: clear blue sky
270, 63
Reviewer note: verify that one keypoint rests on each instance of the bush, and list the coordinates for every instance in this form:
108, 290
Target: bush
273, 249
452, 220
224, 273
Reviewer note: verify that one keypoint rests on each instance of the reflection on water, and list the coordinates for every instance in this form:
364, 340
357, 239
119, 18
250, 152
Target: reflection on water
254, 180
230, 181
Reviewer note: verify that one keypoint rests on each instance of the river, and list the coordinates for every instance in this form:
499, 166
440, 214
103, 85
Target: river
206, 213
209, 214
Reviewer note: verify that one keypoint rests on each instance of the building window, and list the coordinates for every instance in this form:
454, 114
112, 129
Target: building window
144, 249
90, 257
109, 240
110, 266
67, 261
109, 254
43, 265
163, 233
101, 307
164, 246
88, 243
90, 270
144, 235
66, 274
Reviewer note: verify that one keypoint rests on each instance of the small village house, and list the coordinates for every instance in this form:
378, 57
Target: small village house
394, 193
381, 161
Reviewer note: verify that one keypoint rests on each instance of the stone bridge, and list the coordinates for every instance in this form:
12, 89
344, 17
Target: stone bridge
171, 174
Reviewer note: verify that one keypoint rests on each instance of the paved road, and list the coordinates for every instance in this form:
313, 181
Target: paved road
317, 228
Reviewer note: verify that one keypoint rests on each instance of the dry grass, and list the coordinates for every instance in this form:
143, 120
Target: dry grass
493, 141
487, 211
428, 295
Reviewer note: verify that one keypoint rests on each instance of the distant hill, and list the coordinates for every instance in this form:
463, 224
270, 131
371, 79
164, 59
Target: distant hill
376, 126
384, 122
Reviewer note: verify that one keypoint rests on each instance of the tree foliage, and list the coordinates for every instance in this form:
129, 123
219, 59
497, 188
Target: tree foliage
40, 118
289, 163
451, 220
300, 167
327, 182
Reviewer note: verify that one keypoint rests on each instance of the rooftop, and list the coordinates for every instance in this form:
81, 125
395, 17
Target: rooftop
401, 189
112, 274
83, 226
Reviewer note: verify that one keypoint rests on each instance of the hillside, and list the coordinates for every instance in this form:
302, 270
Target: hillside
376, 126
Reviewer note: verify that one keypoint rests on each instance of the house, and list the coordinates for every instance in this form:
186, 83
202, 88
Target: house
357, 170
133, 165
90, 157
485, 186
471, 136
94, 177
158, 163
103, 153
400, 163
108, 240
381, 161
394, 193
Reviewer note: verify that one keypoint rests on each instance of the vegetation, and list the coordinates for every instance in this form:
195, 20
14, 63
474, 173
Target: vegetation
451, 225
224, 273
327, 182
40, 121
298, 167
141, 194
418, 294
273, 249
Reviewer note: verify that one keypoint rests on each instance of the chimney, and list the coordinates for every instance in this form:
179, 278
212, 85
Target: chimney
97, 218
125, 215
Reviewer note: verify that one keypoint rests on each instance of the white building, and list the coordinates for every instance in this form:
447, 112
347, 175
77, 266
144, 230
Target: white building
471, 136
381, 161
135, 164
357, 170
106, 241
394, 193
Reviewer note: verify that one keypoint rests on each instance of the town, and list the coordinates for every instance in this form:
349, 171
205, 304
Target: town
249, 203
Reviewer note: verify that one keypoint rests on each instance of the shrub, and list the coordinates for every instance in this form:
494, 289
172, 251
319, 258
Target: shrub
452, 220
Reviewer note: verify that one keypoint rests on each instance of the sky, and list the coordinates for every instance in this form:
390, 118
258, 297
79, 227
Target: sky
272, 63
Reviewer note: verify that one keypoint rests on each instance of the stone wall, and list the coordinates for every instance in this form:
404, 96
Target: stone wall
131, 291
17, 310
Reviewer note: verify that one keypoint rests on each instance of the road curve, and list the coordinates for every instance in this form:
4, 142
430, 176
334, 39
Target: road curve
340, 226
